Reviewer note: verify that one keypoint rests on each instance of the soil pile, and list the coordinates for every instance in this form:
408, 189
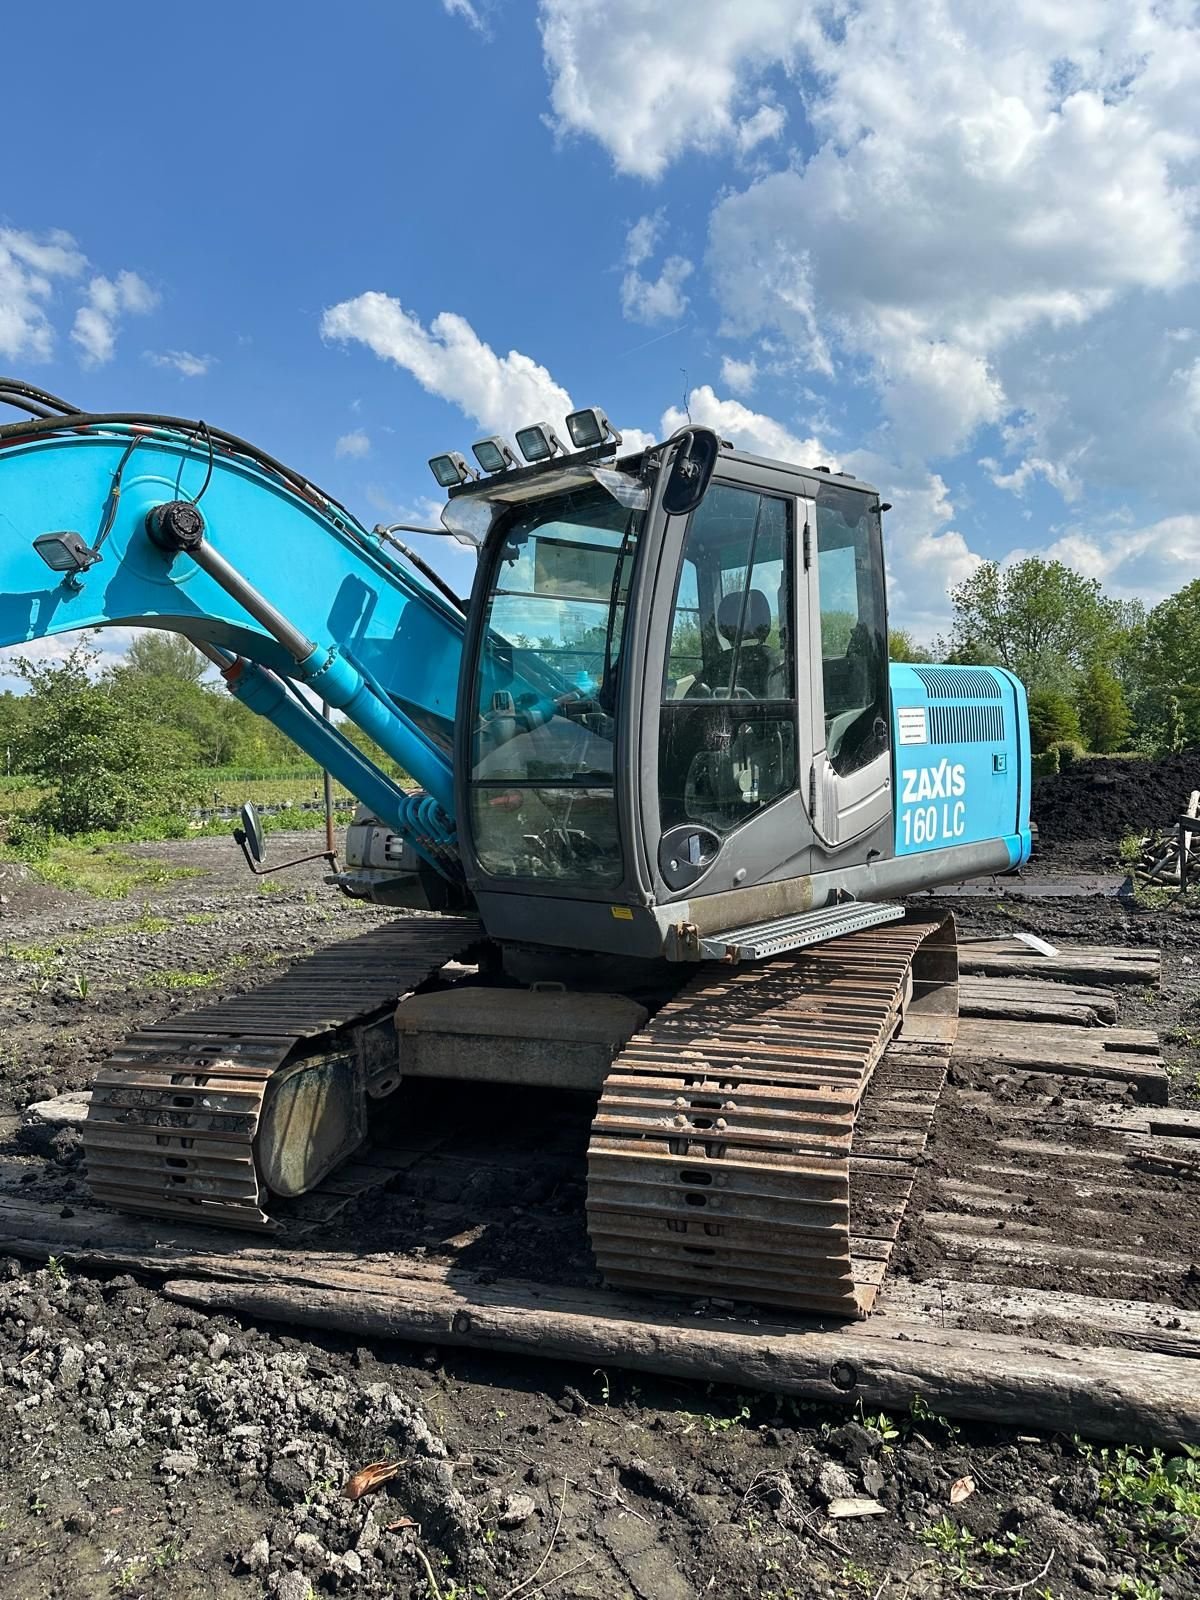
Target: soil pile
1107, 798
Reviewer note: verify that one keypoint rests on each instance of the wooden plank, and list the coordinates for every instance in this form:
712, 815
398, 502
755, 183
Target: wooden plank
1006, 958
1036, 1000
1112, 1394
1106, 1393
1025, 1243
1142, 1324
1125, 1055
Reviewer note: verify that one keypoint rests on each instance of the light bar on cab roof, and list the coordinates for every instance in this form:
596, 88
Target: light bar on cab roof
494, 454
451, 469
538, 442
590, 427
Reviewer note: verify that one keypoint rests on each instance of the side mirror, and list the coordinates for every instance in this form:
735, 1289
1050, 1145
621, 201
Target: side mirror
250, 835
691, 471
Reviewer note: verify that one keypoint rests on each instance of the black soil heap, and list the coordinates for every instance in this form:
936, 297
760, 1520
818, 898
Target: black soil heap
1109, 798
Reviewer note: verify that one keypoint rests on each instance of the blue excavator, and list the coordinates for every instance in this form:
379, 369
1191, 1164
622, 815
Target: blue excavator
665, 799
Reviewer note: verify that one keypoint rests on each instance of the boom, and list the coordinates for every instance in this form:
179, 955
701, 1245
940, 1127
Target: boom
180, 526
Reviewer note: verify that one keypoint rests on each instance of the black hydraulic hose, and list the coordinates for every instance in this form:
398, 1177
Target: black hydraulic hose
424, 569
324, 502
28, 397
139, 419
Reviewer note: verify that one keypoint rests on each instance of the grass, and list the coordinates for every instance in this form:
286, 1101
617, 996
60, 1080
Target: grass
1150, 1502
48, 957
100, 869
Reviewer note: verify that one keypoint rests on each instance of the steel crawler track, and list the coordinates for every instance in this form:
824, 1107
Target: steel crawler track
721, 1162
176, 1110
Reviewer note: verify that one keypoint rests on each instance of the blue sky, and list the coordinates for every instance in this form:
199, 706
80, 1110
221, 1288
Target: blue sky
952, 247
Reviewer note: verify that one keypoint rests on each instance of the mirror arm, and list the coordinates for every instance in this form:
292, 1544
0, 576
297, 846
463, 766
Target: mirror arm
239, 838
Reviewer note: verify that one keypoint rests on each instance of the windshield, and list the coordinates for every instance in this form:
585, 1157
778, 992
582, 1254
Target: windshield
546, 692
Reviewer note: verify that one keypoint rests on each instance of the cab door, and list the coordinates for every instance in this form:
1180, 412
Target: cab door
726, 739
850, 778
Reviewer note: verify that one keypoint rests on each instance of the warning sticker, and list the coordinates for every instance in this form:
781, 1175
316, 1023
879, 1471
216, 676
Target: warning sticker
913, 729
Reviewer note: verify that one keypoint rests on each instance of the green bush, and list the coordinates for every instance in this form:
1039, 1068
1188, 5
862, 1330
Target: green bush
102, 759
1052, 718
1069, 751
29, 841
1045, 763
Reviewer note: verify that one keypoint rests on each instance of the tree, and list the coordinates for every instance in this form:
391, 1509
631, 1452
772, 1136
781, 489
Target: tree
161, 654
1103, 711
1168, 668
1051, 718
1041, 619
903, 647
103, 763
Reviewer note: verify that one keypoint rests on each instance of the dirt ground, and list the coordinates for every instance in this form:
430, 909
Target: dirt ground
149, 1450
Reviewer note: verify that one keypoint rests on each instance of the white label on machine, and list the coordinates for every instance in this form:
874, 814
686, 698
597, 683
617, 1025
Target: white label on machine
912, 725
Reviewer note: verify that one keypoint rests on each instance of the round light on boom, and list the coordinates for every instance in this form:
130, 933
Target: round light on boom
590, 427
451, 469
539, 442
494, 454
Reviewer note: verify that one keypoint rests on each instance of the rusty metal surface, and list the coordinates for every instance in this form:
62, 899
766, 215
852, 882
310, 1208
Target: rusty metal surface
724, 1159
176, 1110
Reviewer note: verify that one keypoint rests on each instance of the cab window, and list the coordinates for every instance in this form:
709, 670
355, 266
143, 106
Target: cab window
853, 628
729, 689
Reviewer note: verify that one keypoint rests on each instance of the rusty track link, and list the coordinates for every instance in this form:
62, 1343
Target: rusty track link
720, 1159
176, 1109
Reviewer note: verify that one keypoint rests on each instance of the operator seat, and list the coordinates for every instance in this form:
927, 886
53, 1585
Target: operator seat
757, 662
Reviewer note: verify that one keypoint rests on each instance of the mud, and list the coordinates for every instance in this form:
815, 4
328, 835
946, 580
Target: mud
148, 1450
1105, 798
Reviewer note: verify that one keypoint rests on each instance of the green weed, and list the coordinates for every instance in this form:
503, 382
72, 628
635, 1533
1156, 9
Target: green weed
713, 1424
1154, 1496
879, 1424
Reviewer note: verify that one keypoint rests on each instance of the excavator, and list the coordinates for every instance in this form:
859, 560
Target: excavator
666, 796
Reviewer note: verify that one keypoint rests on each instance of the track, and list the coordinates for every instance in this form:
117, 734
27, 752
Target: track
721, 1156
176, 1112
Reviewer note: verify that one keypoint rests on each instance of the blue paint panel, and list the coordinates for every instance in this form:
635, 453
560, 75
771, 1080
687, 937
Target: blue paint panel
961, 758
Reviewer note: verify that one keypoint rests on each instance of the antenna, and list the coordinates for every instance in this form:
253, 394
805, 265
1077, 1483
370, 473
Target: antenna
686, 407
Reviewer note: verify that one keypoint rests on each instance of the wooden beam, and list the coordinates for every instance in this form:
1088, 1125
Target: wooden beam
1106, 1393
1141, 1324
1081, 963
1126, 1055
1036, 1000
1109, 1394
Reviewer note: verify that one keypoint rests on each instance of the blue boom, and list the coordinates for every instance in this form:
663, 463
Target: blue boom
337, 613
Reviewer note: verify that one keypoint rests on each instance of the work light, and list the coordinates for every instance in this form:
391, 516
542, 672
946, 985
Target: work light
450, 469
539, 442
494, 454
590, 427
65, 551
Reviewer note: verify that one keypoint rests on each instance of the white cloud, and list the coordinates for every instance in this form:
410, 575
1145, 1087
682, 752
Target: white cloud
650, 82
642, 239
658, 299
449, 359
356, 444
748, 430
1058, 475
29, 269
1141, 563
986, 183
740, 376
651, 300
111, 643
766, 123
106, 301
183, 362
465, 10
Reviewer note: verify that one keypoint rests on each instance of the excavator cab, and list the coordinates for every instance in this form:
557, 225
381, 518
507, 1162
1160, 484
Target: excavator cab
674, 704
